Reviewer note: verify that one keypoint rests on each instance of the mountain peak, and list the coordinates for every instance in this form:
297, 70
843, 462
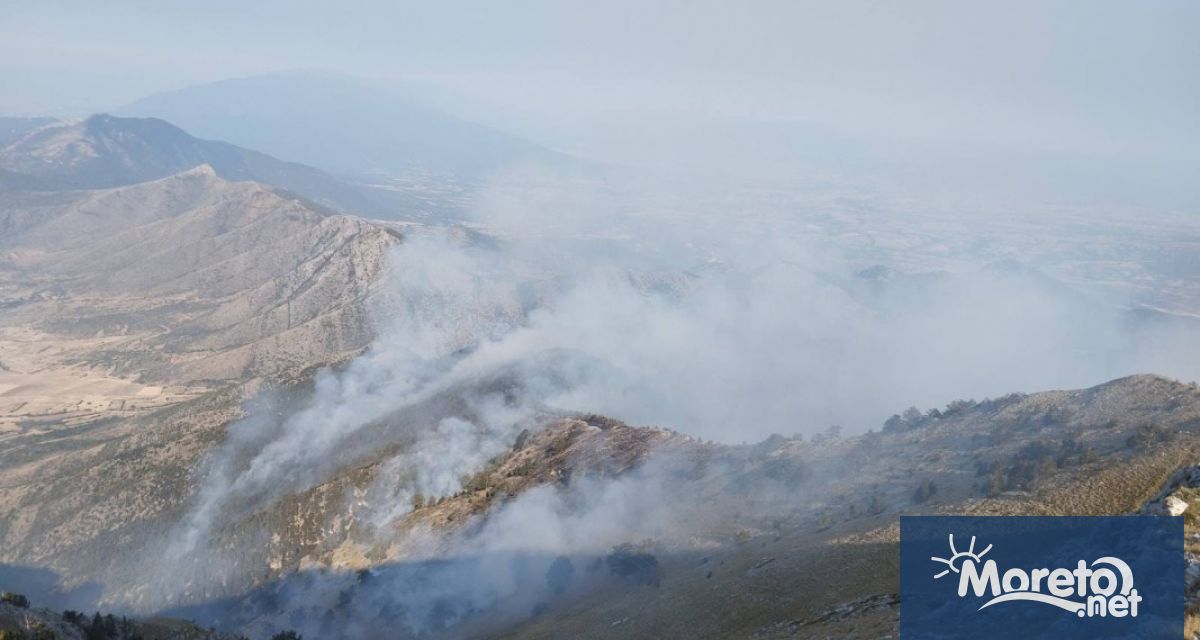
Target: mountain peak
104, 151
107, 124
205, 170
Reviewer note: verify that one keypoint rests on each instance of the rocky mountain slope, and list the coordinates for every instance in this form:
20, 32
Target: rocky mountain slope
830, 568
187, 278
785, 538
148, 286
133, 319
790, 537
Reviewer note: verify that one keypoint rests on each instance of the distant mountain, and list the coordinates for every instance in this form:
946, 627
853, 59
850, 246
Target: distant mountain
340, 124
105, 151
13, 128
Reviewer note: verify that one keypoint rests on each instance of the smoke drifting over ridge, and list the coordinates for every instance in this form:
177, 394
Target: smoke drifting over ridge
746, 220
729, 328
497, 564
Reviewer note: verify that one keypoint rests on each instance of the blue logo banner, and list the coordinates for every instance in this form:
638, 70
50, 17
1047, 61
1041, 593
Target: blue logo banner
1041, 577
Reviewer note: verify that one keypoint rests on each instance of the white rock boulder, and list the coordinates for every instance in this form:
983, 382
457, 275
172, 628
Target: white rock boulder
1173, 506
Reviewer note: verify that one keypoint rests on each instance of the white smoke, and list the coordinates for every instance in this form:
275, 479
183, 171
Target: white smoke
434, 466
451, 299
728, 328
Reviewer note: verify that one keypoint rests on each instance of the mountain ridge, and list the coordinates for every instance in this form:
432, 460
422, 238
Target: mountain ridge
386, 131
842, 497
198, 277
104, 151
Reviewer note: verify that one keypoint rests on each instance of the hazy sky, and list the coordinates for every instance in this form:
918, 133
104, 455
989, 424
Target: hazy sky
1105, 76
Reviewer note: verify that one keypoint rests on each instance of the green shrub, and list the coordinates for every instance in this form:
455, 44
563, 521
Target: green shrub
637, 566
15, 599
924, 492
560, 573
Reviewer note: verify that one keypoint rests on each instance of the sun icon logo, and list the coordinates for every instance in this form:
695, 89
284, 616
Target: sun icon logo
958, 557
